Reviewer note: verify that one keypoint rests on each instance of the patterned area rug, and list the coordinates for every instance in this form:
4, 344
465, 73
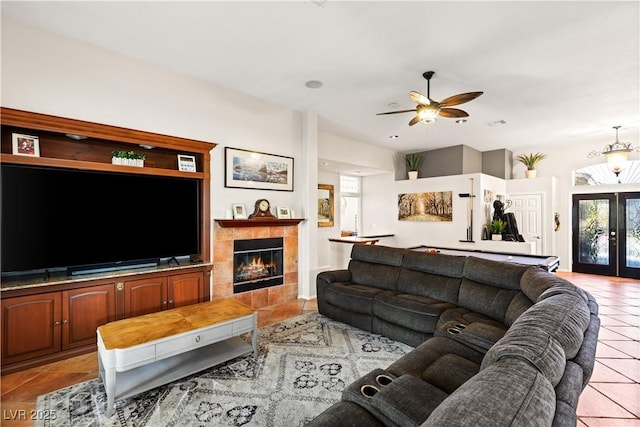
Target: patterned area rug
303, 365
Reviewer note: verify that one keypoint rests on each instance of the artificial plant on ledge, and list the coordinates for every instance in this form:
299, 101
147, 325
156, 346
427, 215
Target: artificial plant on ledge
127, 158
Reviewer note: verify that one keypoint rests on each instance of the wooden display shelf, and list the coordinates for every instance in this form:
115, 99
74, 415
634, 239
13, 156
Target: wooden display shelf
258, 222
105, 167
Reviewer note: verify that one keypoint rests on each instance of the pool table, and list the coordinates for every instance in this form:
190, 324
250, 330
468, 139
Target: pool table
550, 263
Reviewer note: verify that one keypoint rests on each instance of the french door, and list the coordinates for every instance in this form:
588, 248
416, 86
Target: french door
606, 234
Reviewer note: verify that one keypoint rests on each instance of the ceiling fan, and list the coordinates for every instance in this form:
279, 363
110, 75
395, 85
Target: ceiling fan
427, 109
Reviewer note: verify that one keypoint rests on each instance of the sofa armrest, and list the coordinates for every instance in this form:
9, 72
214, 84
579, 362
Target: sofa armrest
334, 276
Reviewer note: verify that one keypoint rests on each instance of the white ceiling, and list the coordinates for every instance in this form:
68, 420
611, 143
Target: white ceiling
557, 72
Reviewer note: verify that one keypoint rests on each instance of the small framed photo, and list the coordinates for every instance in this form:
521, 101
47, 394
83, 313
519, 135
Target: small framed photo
186, 163
25, 145
283, 212
239, 211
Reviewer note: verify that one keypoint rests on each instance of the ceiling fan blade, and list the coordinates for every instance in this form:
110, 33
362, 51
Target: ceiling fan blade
415, 120
397, 112
452, 113
460, 98
419, 98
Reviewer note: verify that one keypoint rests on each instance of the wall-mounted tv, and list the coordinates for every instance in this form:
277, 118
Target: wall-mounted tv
56, 218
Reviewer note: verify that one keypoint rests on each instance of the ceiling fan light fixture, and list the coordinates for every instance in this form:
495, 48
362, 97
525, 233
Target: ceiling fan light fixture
427, 113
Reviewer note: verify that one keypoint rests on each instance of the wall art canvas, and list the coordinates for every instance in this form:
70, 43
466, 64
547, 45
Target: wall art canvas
434, 206
262, 171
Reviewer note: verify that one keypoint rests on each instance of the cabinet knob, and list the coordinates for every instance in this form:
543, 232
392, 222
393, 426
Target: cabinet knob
197, 338
164, 302
119, 286
65, 321
170, 301
57, 323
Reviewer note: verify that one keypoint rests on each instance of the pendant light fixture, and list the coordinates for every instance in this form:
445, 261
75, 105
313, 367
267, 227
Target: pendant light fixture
616, 154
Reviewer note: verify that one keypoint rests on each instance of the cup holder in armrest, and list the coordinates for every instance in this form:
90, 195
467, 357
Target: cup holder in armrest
369, 390
460, 326
385, 379
453, 331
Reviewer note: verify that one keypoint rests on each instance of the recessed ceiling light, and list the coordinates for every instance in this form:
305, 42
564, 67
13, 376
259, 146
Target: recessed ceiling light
393, 137
313, 84
324, 164
497, 123
461, 121
393, 105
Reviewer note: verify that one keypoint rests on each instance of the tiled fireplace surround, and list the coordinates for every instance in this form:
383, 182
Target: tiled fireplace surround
223, 238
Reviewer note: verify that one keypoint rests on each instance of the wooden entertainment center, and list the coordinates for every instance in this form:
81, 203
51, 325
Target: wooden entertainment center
50, 319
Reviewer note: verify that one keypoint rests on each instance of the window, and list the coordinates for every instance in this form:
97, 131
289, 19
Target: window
349, 205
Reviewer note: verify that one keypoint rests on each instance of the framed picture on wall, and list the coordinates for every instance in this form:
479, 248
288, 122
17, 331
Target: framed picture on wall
25, 145
255, 170
325, 205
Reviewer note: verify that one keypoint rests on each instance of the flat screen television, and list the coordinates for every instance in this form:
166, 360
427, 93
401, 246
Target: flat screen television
56, 218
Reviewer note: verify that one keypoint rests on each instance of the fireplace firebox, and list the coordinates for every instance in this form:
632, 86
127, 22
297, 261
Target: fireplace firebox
257, 264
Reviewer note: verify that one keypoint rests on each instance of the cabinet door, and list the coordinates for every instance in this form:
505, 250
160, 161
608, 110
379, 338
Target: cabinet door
145, 296
31, 326
186, 289
83, 310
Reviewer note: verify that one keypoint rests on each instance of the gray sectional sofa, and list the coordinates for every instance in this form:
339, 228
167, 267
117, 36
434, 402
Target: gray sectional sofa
496, 344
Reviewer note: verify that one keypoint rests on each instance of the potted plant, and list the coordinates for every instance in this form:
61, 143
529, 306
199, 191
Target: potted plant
127, 158
413, 161
530, 161
497, 227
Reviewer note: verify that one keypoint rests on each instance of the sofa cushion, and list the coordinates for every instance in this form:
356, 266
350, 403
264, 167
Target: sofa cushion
357, 298
548, 334
407, 401
501, 274
374, 275
411, 311
378, 254
535, 281
492, 301
510, 392
567, 394
450, 371
437, 264
443, 288
418, 361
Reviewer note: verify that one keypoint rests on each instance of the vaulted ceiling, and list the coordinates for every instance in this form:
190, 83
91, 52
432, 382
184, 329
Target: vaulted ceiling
552, 72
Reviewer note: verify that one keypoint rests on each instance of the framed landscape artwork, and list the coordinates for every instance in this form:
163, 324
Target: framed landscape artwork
434, 206
255, 170
325, 205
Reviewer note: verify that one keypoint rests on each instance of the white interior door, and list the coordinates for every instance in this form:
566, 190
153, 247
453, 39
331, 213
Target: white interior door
527, 208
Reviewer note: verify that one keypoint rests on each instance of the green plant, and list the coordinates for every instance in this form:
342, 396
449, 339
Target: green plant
530, 160
498, 226
413, 160
123, 154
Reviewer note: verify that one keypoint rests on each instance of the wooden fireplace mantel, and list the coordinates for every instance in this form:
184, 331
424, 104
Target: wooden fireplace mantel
258, 222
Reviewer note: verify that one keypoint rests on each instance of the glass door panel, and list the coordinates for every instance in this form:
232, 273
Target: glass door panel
629, 213
594, 233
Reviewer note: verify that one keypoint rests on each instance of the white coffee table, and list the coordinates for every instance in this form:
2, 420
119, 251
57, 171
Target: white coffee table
144, 352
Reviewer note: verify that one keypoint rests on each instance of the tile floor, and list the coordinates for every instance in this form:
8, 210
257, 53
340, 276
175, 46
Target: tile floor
612, 398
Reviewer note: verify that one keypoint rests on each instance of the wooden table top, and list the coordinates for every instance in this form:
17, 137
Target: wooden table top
150, 327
